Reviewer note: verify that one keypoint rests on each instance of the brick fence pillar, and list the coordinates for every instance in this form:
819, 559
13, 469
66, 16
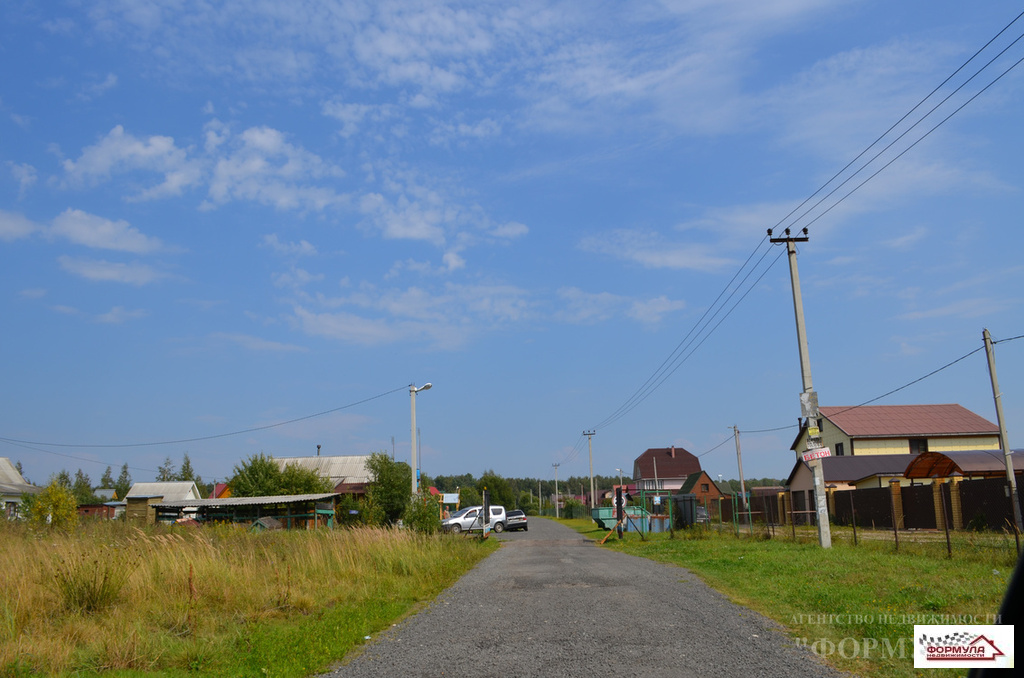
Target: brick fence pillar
937, 503
897, 503
954, 501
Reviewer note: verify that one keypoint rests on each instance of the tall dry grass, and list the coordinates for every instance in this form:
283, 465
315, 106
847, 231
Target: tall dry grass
111, 596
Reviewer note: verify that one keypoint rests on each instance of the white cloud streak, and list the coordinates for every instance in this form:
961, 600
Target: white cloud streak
100, 270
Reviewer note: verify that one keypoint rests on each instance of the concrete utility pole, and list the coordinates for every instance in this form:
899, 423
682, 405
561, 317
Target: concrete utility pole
590, 445
412, 397
1004, 441
556, 488
739, 462
808, 397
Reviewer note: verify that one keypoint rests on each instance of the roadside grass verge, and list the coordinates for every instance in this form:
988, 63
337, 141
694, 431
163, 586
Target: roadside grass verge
856, 606
114, 600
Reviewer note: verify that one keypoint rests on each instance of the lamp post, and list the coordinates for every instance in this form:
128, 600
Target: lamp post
412, 396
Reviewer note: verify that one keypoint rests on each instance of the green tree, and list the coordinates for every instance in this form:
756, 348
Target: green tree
389, 489
81, 487
107, 481
165, 472
63, 478
469, 496
186, 472
454, 483
123, 483
205, 489
257, 476
499, 489
297, 479
54, 507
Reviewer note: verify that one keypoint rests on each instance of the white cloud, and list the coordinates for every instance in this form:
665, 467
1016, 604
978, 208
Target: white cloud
120, 152
25, 175
93, 90
453, 261
16, 226
352, 116
405, 218
265, 168
296, 278
33, 293
446, 319
118, 314
964, 308
93, 231
907, 240
651, 250
588, 307
256, 343
106, 271
509, 231
301, 248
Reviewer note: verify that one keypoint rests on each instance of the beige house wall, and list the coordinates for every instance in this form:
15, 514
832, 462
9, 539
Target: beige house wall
868, 446
960, 444
831, 435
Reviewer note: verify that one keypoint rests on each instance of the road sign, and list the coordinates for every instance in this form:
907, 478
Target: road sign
819, 453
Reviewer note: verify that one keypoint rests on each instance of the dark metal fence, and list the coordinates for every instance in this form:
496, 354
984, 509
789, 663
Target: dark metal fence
970, 504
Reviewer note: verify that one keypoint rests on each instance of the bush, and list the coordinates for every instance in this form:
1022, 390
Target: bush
350, 512
54, 507
424, 514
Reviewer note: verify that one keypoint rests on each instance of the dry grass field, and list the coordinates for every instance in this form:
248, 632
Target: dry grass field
113, 599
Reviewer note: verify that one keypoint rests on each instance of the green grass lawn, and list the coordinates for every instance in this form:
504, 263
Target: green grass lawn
848, 601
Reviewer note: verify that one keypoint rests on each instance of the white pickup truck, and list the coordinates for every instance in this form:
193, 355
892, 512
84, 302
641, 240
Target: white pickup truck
470, 518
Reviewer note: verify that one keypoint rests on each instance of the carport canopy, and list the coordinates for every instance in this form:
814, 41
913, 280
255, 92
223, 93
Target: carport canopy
972, 463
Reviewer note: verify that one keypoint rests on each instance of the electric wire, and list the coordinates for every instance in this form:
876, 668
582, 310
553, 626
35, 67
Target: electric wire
201, 438
902, 119
907, 131
678, 356
71, 456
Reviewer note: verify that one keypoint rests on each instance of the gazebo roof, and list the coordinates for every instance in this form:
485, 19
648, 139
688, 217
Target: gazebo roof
969, 463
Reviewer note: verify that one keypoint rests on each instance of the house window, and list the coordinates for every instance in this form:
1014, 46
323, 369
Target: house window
705, 488
839, 449
918, 445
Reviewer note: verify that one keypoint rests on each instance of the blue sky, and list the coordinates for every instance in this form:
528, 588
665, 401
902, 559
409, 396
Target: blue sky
219, 217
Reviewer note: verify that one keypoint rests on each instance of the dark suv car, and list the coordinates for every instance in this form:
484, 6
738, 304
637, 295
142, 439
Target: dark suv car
516, 520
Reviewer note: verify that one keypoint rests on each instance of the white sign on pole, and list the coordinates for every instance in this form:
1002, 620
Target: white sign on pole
819, 453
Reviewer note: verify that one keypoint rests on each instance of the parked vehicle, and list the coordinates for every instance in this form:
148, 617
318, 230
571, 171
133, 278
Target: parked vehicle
516, 521
469, 519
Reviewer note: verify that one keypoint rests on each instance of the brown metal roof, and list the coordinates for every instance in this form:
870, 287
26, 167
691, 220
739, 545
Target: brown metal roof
672, 462
902, 421
971, 463
850, 469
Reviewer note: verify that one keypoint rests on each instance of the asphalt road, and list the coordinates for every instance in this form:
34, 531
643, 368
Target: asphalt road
550, 603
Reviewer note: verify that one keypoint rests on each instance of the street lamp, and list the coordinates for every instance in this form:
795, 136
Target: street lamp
412, 395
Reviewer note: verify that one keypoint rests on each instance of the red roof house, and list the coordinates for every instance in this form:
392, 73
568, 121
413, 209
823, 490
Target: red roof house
901, 429
664, 468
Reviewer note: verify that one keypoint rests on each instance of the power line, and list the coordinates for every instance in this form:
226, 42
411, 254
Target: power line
200, 438
897, 123
678, 356
71, 456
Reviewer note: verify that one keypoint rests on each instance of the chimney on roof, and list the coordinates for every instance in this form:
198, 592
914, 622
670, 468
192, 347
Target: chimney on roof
673, 453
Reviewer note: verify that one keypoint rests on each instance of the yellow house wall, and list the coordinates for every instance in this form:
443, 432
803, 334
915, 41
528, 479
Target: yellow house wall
881, 446
963, 443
